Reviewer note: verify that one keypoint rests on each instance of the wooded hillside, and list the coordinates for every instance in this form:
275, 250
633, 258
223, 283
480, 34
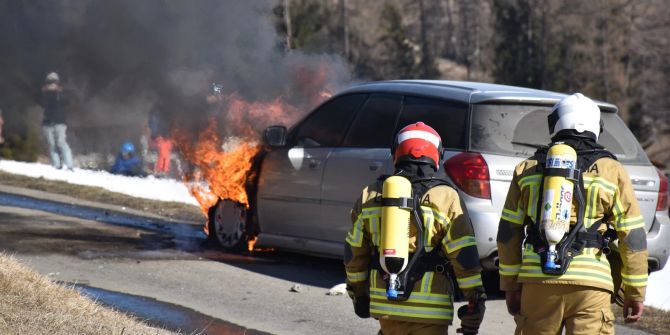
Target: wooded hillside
612, 50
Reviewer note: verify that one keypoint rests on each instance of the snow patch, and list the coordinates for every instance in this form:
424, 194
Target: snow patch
657, 295
147, 188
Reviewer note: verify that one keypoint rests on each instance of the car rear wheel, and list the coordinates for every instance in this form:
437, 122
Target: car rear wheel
228, 224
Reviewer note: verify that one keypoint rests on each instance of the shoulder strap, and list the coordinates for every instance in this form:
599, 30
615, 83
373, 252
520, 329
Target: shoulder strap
586, 158
428, 183
540, 156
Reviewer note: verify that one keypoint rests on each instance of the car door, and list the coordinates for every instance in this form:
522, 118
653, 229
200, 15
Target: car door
362, 158
289, 188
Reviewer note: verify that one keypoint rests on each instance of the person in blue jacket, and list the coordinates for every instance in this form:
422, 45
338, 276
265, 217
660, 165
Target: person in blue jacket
127, 163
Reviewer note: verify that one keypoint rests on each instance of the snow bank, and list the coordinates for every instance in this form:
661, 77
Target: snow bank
657, 294
148, 188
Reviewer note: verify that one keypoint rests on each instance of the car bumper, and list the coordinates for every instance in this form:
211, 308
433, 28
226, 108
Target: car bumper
485, 225
658, 241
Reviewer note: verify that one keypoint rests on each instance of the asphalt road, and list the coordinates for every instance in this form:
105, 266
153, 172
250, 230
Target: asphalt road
117, 250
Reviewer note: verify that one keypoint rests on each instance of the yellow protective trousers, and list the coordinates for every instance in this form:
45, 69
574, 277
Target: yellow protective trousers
547, 308
397, 327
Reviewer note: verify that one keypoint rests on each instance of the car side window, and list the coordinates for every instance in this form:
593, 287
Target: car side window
374, 125
326, 126
448, 118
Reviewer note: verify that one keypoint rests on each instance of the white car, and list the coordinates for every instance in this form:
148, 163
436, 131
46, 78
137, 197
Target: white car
315, 170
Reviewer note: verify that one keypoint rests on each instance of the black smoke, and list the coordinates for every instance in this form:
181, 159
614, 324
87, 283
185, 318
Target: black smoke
120, 59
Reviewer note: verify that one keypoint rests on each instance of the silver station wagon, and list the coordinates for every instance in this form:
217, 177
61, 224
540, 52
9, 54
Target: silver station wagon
314, 171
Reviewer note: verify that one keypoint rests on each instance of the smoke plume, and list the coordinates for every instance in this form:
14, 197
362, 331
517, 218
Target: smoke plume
120, 59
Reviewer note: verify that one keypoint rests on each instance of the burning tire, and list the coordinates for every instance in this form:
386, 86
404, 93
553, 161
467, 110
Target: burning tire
228, 221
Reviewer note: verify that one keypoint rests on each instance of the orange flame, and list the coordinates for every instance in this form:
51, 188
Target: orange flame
251, 243
223, 164
223, 167
245, 115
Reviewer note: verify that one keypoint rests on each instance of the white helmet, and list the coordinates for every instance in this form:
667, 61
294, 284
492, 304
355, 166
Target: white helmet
52, 76
575, 112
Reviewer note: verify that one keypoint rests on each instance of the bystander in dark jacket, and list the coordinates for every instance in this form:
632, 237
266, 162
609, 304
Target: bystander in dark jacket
54, 102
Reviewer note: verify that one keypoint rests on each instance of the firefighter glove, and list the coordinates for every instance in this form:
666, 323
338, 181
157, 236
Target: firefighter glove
471, 315
362, 306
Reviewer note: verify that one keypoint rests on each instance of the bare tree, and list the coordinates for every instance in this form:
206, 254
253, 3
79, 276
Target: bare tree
287, 20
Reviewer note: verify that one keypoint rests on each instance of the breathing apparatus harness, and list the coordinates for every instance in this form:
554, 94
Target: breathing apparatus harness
578, 237
420, 261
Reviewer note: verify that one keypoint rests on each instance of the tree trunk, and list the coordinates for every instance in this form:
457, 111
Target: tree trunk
345, 29
425, 52
287, 20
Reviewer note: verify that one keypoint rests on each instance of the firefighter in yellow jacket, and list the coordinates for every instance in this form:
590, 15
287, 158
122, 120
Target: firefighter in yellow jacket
543, 296
418, 297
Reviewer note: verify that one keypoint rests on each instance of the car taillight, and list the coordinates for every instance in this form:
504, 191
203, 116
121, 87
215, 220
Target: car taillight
470, 173
662, 203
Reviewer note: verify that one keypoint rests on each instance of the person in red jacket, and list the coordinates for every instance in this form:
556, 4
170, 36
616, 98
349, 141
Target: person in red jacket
159, 135
163, 146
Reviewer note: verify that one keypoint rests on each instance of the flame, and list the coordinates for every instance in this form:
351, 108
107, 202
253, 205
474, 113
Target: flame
222, 167
251, 243
223, 159
245, 115
223, 164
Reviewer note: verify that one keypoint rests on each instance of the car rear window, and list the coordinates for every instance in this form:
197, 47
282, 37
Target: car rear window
517, 130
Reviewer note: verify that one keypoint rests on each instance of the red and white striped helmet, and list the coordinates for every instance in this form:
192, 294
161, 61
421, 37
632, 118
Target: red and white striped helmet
417, 142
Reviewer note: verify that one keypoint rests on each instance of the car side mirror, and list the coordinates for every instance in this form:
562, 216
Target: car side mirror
275, 136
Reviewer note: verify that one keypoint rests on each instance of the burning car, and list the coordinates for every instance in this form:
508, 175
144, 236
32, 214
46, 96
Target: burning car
299, 191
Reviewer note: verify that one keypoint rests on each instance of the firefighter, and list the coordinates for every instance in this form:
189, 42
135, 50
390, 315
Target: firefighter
575, 295
440, 240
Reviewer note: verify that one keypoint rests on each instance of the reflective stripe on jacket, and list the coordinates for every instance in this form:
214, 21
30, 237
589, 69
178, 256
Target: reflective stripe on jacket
609, 194
445, 226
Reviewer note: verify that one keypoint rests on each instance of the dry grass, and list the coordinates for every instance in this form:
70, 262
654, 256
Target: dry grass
174, 210
654, 321
31, 304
